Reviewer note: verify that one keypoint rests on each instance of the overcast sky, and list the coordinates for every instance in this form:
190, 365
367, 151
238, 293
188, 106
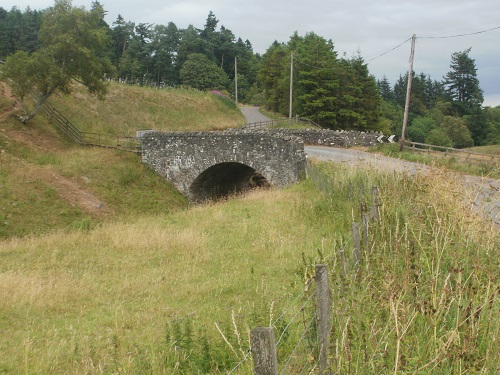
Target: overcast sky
370, 27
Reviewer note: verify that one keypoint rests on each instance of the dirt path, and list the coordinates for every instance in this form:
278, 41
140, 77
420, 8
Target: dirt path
71, 190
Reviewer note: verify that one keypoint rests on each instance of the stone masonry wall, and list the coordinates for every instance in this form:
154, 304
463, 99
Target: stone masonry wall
325, 137
181, 157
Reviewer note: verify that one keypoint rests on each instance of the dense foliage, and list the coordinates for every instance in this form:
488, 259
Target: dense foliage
336, 92
447, 113
72, 46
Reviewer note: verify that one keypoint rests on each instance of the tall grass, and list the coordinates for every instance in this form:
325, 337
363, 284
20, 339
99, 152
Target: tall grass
487, 167
179, 292
127, 109
427, 300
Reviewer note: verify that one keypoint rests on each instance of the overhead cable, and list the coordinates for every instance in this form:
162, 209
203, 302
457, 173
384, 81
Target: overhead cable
459, 35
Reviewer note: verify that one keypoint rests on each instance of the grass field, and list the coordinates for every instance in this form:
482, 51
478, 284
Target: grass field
105, 269
143, 295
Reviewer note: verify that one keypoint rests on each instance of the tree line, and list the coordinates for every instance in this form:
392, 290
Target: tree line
336, 92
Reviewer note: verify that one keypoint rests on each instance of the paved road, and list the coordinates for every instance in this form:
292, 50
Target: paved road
252, 114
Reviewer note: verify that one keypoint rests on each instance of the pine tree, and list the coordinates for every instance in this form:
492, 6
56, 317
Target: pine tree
317, 82
358, 99
385, 89
273, 79
462, 85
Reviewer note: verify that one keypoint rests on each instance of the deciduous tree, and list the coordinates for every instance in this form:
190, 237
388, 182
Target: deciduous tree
201, 73
73, 47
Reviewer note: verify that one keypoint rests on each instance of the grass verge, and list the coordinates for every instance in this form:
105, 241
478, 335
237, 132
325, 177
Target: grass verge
487, 168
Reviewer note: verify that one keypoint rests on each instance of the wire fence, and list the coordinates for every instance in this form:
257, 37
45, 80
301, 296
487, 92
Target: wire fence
303, 328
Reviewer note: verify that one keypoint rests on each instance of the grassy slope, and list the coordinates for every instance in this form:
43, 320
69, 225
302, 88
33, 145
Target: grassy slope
46, 182
108, 298
118, 297
130, 108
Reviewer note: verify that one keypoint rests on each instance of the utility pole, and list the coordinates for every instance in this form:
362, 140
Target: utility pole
236, 79
408, 90
291, 86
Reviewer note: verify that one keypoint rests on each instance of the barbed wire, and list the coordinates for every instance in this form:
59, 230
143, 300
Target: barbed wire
276, 320
295, 300
241, 362
293, 318
298, 343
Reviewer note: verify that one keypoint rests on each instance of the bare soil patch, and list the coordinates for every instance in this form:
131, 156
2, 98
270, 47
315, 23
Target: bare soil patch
70, 190
67, 189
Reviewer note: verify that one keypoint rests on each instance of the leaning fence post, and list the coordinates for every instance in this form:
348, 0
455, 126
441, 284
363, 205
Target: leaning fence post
324, 321
364, 222
263, 346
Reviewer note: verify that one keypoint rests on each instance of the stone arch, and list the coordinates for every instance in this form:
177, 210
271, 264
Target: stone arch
223, 179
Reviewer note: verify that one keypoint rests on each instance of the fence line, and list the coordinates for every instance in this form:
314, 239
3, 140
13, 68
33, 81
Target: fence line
321, 320
285, 366
62, 122
466, 154
124, 143
264, 348
293, 318
280, 123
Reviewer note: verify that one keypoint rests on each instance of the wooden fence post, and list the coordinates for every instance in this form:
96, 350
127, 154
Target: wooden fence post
263, 345
324, 321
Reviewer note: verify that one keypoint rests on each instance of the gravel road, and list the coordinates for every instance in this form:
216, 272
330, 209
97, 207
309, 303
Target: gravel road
483, 194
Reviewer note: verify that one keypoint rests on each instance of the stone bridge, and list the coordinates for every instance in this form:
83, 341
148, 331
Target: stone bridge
210, 165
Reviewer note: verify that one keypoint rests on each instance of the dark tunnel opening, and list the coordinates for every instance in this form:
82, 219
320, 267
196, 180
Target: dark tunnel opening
225, 179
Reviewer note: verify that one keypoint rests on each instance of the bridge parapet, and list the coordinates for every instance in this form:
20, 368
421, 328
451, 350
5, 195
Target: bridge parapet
326, 137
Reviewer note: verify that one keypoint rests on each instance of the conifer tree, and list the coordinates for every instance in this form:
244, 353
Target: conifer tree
462, 85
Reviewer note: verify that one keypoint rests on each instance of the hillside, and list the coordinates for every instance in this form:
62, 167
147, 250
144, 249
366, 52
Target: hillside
125, 279
127, 109
47, 182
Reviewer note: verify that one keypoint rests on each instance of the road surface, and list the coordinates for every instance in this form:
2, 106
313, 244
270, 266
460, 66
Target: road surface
252, 114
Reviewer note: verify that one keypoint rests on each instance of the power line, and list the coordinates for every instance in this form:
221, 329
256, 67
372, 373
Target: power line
392, 49
459, 35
